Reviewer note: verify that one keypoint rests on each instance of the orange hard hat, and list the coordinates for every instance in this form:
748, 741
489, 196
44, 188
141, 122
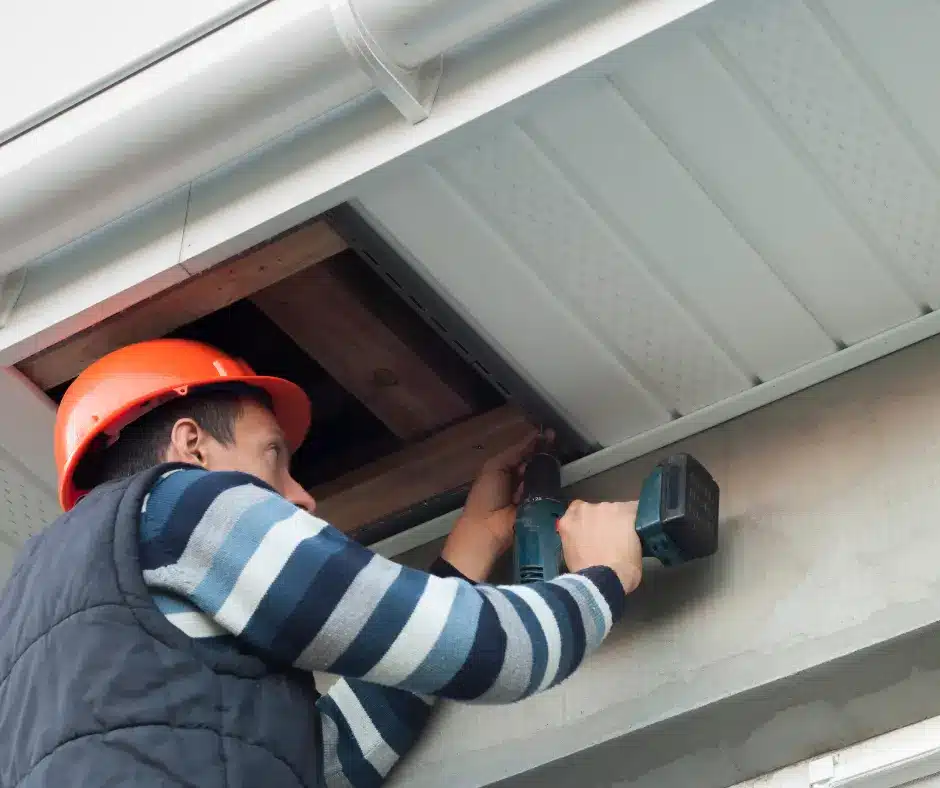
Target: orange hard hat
126, 384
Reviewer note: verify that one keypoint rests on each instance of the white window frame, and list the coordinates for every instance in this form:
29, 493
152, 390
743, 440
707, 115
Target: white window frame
892, 760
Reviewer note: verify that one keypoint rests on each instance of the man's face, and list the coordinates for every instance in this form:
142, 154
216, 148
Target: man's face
259, 448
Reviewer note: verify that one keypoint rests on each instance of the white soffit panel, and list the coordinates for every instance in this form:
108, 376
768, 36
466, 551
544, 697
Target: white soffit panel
27, 468
631, 178
520, 193
788, 58
25, 507
774, 197
596, 393
730, 200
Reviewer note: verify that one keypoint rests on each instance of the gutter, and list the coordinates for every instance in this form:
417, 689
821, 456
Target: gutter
263, 74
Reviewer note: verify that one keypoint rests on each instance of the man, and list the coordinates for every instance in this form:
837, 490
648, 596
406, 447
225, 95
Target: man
163, 631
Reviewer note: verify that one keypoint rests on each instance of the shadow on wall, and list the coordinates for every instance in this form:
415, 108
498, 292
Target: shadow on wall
667, 592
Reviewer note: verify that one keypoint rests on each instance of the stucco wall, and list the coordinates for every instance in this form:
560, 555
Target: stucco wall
787, 644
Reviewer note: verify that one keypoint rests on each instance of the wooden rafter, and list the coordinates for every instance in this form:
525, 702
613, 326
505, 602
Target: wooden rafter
190, 300
323, 313
443, 462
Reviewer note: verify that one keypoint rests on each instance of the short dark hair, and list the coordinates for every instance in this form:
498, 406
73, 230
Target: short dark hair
144, 442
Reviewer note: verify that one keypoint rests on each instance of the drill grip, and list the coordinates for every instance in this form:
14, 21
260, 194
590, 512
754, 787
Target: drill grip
537, 554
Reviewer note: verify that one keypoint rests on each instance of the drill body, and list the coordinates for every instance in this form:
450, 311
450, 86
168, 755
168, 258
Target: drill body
537, 553
677, 515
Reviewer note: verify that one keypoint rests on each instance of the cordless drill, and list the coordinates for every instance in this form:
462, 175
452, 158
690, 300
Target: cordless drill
676, 520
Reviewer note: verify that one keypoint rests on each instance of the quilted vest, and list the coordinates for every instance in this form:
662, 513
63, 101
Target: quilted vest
98, 688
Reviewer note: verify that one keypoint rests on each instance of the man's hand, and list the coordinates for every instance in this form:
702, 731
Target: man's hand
603, 534
484, 531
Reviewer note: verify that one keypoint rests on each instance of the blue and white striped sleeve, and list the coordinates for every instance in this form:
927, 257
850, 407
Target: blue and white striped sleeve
300, 591
368, 728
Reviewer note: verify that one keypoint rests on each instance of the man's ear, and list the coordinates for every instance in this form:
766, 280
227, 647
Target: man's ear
188, 443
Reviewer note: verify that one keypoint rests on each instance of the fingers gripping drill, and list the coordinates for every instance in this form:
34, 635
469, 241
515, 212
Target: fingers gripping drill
677, 515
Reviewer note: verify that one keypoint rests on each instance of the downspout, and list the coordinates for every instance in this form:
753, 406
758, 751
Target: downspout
285, 63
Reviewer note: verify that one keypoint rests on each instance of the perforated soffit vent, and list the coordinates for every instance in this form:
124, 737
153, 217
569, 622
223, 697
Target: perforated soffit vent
25, 508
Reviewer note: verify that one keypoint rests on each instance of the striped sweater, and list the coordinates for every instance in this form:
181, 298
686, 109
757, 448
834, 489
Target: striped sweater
233, 564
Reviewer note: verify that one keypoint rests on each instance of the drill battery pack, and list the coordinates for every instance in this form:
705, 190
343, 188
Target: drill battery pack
677, 518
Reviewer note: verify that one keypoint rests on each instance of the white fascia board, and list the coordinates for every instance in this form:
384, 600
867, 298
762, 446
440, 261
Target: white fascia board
96, 277
11, 287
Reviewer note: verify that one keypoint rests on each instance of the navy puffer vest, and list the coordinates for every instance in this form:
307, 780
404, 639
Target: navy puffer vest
98, 688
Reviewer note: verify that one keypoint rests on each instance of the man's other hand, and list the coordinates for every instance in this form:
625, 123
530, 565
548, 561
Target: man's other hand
484, 530
603, 534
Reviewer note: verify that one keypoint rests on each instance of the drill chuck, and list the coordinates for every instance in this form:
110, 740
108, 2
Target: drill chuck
542, 477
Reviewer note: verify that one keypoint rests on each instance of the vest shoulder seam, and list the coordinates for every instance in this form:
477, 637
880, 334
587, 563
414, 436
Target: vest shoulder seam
46, 632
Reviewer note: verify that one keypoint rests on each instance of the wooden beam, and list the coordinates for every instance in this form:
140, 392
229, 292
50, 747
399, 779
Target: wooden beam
323, 312
443, 462
190, 300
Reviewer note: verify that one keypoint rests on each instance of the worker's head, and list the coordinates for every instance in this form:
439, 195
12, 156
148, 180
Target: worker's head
177, 401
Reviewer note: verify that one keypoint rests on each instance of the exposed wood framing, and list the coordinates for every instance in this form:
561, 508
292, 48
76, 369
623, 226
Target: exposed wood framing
348, 329
445, 461
321, 311
190, 300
